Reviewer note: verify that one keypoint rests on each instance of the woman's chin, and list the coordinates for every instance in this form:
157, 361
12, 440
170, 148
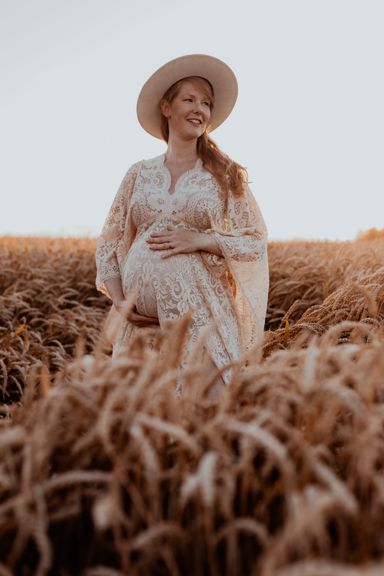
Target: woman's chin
191, 134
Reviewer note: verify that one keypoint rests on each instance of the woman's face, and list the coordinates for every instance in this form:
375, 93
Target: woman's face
189, 112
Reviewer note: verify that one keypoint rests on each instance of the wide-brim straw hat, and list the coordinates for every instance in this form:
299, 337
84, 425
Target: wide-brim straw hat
219, 74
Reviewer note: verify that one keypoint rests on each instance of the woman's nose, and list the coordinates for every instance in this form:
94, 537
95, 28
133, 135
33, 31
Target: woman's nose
198, 106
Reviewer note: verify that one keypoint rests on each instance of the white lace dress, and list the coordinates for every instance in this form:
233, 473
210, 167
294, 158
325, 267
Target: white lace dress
214, 288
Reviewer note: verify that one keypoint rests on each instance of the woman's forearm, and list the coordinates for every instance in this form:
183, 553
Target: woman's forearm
115, 289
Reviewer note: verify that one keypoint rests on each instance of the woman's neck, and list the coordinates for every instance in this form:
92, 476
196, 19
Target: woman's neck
181, 151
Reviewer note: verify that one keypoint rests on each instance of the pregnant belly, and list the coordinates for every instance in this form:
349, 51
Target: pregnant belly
153, 278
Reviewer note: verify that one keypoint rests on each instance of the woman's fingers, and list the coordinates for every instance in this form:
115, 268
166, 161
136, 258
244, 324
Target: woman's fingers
141, 320
176, 241
165, 246
162, 242
165, 240
172, 253
138, 322
159, 239
133, 316
142, 324
164, 233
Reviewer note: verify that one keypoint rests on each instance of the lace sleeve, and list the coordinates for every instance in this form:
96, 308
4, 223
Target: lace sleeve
107, 264
245, 235
242, 237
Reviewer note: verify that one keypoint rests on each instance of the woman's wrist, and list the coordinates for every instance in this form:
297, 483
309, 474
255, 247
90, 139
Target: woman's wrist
208, 243
115, 290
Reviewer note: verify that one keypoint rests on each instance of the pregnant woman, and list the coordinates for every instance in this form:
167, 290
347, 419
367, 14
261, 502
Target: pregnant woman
184, 233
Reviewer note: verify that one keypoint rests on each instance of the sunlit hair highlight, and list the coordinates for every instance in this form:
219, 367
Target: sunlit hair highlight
230, 175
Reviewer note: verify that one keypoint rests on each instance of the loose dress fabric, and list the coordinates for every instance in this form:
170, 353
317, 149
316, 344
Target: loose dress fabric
226, 294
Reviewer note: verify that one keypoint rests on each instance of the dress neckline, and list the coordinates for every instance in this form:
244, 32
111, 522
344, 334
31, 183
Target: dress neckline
181, 177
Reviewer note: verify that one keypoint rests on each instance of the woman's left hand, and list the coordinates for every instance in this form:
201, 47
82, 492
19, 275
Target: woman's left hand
176, 241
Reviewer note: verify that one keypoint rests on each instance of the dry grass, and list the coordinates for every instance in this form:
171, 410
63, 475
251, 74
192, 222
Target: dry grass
371, 234
104, 471
47, 301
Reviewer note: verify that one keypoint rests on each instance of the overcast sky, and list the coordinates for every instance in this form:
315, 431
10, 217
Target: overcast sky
308, 122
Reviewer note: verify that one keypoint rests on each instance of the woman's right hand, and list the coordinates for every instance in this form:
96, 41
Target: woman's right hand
132, 315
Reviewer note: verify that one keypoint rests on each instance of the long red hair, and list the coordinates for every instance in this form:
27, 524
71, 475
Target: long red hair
229, 174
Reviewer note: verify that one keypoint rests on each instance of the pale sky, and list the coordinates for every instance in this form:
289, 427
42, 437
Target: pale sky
308, 122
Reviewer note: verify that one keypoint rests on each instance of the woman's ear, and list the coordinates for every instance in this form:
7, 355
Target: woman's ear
164, 107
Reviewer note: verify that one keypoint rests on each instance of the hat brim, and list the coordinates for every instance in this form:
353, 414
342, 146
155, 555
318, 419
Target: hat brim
218, 73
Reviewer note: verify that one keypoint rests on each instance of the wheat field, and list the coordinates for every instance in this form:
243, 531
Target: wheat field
104, 472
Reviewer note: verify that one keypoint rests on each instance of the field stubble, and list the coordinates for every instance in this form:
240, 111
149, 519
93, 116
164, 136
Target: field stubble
103, 471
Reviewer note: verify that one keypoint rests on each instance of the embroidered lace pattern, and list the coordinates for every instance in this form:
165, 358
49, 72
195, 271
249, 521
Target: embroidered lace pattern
228, 293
